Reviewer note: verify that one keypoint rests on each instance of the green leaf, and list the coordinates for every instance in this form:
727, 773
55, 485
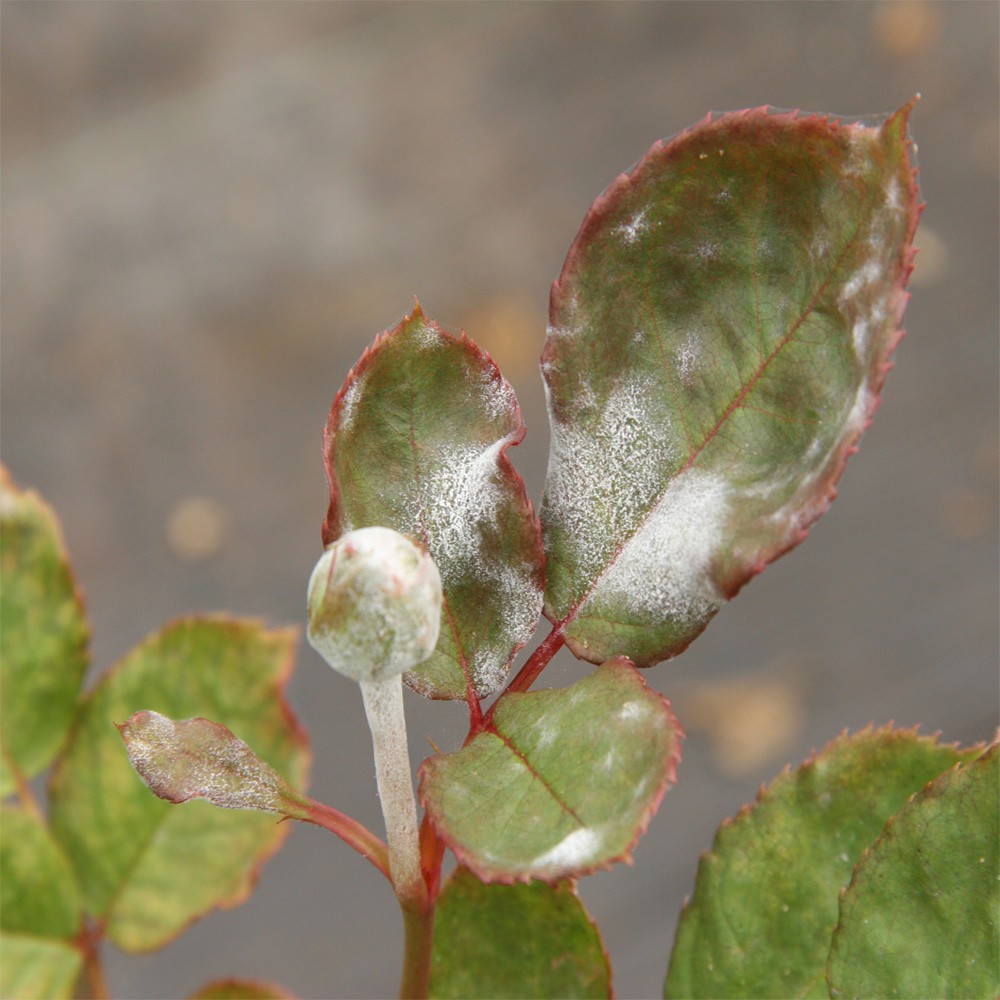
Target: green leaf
44, 635
921, 918
562, 782
40, 911
532, 940
719, 337
417, 441
765, 898
32, 967
240, 989
38, 890
146, 867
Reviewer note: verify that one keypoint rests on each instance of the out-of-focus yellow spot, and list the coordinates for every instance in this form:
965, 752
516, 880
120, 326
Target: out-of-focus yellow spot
749, 721
932, 258
196, 528
965, 514
906, 28
511, 330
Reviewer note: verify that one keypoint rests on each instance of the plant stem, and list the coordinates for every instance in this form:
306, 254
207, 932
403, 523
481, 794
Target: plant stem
93, 969
418, 930
538, 661
384, 708
350, 831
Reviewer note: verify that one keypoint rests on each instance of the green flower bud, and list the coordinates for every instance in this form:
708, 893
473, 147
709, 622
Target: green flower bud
374, 604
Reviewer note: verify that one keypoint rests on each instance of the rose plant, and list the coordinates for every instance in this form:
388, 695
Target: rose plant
718, 341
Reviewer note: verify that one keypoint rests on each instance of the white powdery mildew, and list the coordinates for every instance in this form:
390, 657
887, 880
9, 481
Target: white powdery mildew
857, 300
664, 570
497, 396
452, 504
225, 771
687, 359
348, 401
631, 230
576, 850
600, 480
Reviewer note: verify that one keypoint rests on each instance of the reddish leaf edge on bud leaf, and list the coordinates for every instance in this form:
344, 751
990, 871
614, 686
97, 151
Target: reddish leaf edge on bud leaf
730, 579
516, 737
523, 542
201, 759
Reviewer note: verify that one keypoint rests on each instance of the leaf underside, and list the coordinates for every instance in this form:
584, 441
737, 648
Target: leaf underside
416, 441
146, 867
921, 917
562, 783
765, 900
44, 634
718, 339
532, 940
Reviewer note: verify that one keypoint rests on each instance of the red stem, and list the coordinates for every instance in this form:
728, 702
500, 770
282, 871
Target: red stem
350, 831
536, 663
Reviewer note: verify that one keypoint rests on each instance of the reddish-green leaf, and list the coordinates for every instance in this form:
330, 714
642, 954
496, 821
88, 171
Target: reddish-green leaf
147, 867
921, 917
532, 940
765, 898
201, 759
417, 441
719, 337
562, 782
43, 632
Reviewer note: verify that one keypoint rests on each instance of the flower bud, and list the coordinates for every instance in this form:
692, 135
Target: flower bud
374, 604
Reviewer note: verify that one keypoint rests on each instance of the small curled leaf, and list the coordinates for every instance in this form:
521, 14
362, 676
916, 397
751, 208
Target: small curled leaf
201, 759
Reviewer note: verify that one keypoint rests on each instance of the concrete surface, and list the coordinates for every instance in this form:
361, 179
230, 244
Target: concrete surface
210, 209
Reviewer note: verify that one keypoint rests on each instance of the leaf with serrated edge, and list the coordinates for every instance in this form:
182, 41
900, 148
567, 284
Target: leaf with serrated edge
146, 867
765, 897
44, 632
718, 340
417, 441
561, 782
921, 917
532, 940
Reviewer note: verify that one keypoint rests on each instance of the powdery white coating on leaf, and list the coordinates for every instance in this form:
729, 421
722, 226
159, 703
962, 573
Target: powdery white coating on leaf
631, 231
665, 567
197, 758
604, 471
576, 850
453, 502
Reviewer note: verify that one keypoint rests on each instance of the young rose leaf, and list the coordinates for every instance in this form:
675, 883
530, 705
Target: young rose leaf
921, 916
240, 989
560, 783
147, 868
201, 759
719, 337
417, 441
765, 897
532, 940
40, 911
44, 635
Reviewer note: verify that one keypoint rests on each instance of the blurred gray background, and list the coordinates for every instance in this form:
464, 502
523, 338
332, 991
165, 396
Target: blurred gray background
210, 209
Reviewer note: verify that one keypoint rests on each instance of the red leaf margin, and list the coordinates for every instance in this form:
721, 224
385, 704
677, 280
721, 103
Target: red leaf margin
825, 489
667, 781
